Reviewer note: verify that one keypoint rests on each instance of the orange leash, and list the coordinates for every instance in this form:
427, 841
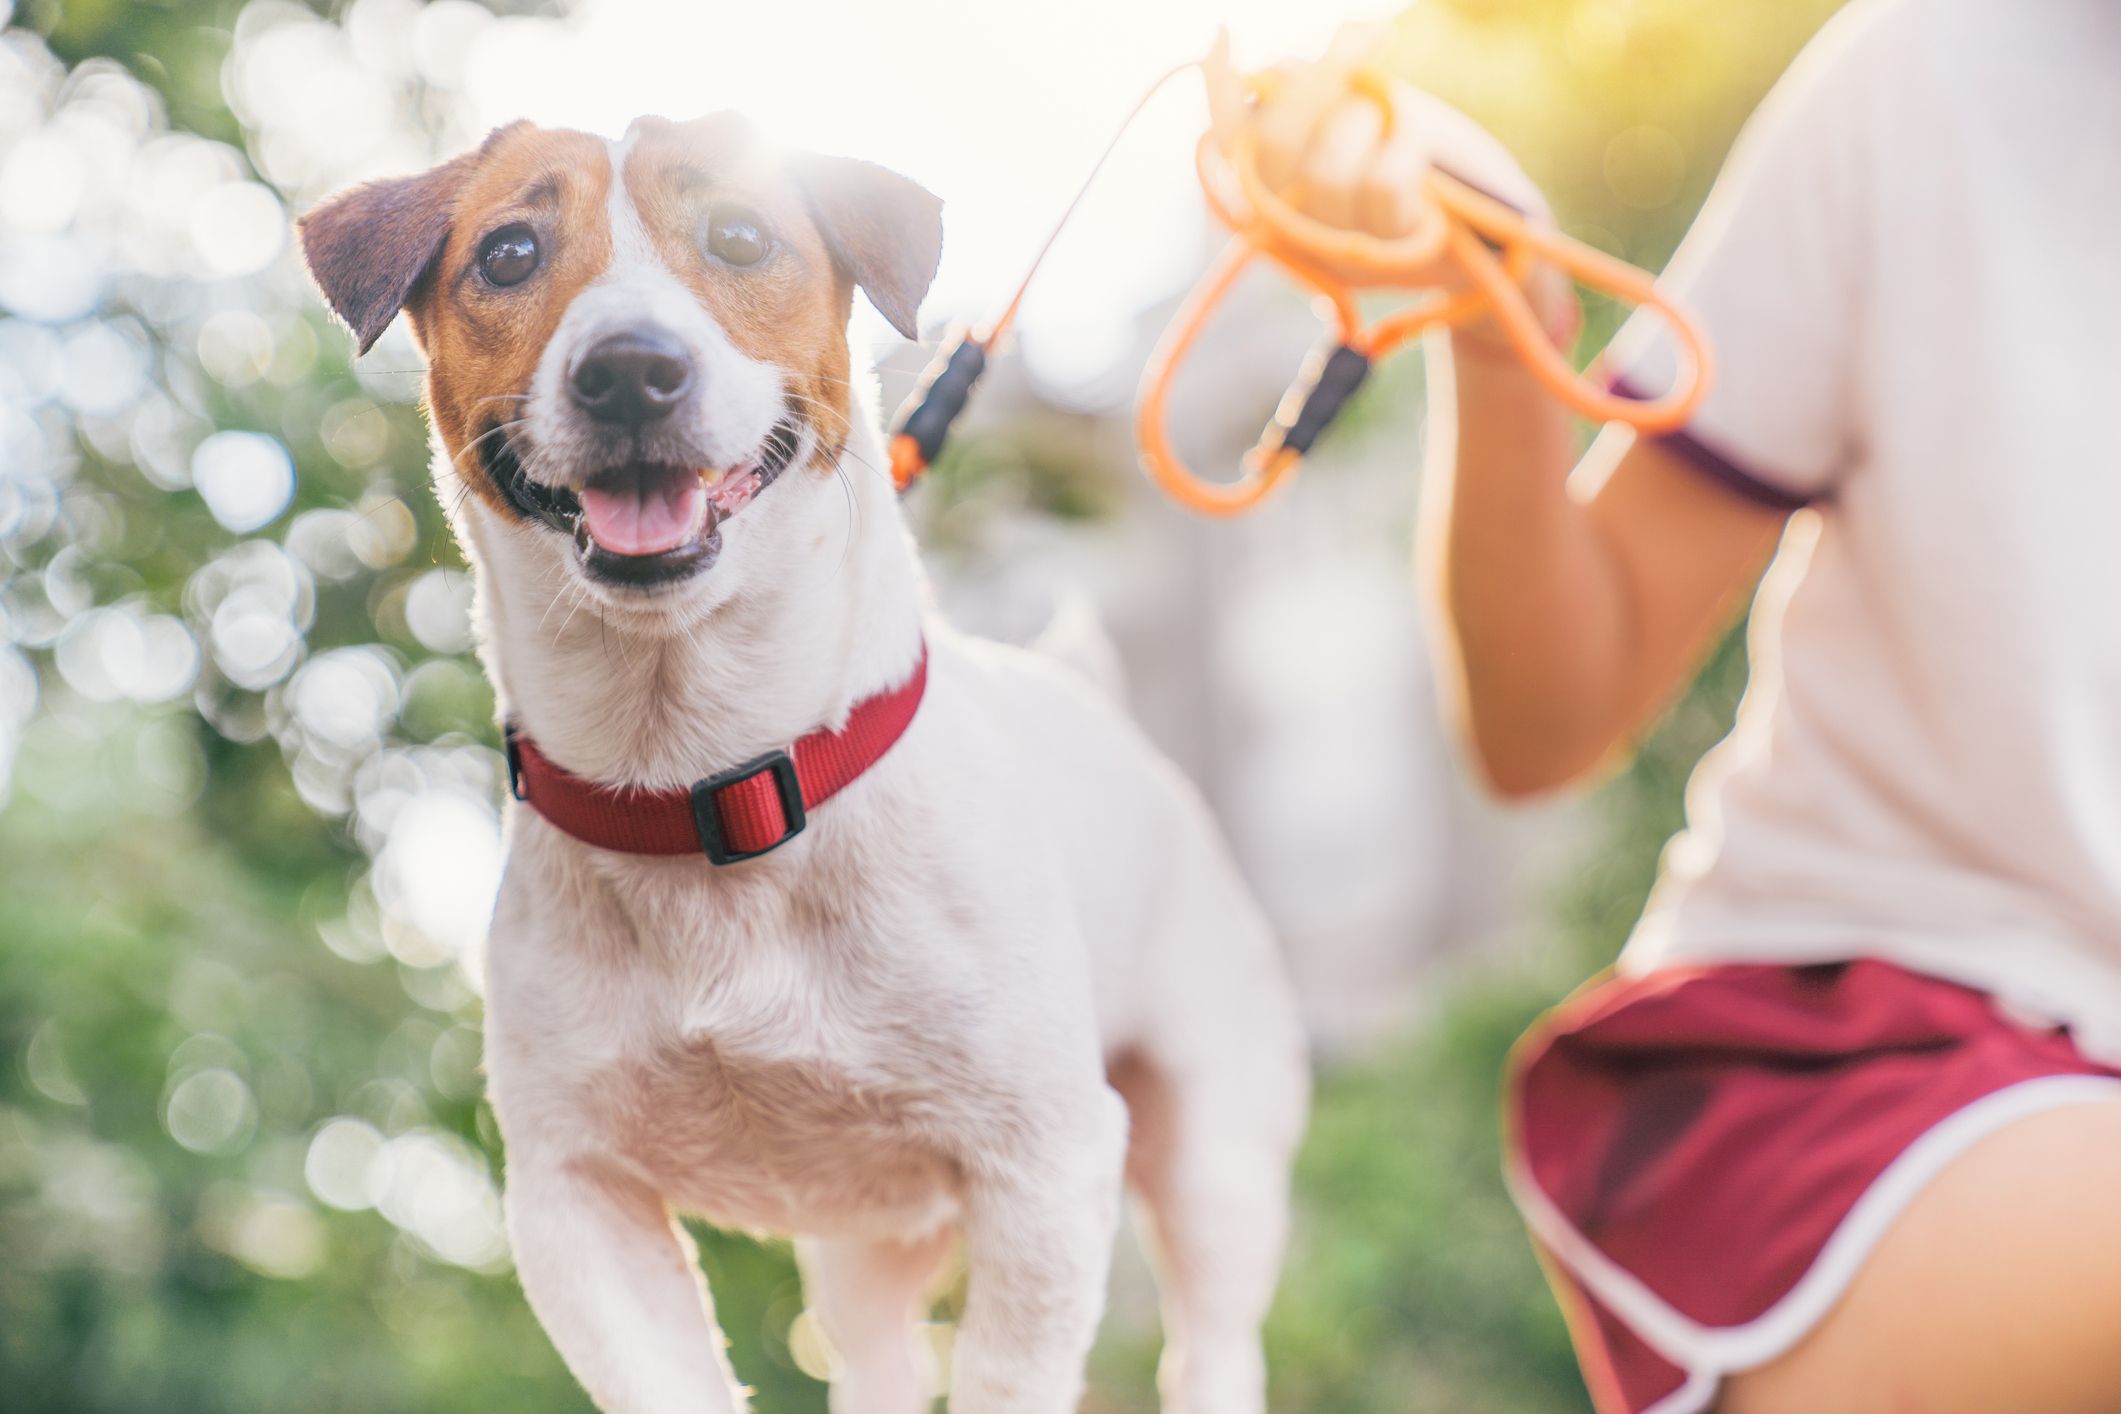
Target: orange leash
1491, 244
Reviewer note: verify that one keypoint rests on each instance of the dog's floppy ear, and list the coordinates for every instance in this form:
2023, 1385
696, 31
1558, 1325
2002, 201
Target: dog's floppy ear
368, 246
885, 231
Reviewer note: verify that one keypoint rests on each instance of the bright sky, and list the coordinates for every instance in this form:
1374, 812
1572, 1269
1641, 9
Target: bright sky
998, 106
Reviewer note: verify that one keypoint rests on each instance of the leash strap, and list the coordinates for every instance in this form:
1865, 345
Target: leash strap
732, 815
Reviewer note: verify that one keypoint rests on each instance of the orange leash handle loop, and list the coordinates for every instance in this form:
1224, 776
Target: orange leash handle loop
1271, 459
1263, 468
1456, 223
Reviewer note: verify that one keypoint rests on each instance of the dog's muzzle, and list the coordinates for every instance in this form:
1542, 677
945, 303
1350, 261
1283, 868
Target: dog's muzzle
613, 537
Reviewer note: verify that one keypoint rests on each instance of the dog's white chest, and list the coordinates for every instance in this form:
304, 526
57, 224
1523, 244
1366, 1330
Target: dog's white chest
784, 1138
758, 1072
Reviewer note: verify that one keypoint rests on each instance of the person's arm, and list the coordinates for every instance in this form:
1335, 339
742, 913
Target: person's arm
1573, 605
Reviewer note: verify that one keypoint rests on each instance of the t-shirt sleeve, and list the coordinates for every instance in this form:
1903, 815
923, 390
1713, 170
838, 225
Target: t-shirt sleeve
1772, 272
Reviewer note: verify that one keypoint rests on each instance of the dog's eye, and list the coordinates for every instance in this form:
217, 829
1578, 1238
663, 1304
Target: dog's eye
736, 236
509, 255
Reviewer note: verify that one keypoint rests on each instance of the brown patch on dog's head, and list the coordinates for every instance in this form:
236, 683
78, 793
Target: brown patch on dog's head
413, 243
833, 224
416, 243
369, 247
483, 343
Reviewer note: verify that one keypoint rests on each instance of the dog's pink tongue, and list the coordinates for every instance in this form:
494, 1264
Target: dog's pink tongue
643, 510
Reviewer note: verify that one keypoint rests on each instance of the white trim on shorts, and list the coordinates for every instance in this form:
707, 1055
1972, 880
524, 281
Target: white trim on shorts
1709, 1353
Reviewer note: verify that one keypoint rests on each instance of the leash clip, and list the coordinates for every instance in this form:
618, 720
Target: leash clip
1314, 400
936, 403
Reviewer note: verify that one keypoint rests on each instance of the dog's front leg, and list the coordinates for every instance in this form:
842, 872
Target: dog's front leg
1039, 1229
616, 1284
869, 1296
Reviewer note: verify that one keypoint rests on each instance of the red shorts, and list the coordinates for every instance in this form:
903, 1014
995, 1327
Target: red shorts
1706, 1156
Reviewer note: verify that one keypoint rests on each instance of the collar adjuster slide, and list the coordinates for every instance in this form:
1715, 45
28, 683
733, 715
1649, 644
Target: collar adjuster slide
707, 815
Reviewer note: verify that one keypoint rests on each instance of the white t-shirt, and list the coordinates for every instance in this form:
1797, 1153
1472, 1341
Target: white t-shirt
1911, 273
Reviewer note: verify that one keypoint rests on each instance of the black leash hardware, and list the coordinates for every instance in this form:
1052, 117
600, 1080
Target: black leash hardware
936, 402
1315, 399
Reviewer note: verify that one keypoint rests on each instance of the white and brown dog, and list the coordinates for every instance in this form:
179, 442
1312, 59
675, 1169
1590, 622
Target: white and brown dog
917, 1016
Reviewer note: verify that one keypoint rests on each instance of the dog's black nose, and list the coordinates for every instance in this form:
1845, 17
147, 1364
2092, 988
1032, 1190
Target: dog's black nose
635, 376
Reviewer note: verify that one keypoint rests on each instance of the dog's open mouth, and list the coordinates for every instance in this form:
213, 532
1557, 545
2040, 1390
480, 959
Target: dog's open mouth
647, 523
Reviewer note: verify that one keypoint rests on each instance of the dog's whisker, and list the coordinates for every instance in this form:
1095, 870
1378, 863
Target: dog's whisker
500, 429
550, 605
805, 401
567, 594
853, 510
456, 507
580, 599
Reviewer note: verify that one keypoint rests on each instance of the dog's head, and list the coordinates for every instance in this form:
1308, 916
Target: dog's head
629, 342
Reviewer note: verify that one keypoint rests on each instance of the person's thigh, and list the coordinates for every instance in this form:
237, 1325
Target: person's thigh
1998, 1289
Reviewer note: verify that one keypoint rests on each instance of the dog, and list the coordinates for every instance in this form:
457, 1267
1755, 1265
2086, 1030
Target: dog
1005, 973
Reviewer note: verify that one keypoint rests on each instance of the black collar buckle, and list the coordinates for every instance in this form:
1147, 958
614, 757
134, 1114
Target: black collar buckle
708, 821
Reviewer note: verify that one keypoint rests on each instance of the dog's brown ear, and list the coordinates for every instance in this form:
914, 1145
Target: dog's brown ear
368, 246
885, 230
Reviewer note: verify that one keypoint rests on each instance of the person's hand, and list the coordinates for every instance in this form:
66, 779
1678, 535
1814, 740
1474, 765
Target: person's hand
1329, 151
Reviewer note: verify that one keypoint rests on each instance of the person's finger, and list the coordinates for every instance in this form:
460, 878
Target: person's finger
1339, 153
1226, 92
1463, 148
1389, 200
1285, 124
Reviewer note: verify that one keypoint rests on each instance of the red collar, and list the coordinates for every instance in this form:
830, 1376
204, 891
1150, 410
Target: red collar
733, 815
